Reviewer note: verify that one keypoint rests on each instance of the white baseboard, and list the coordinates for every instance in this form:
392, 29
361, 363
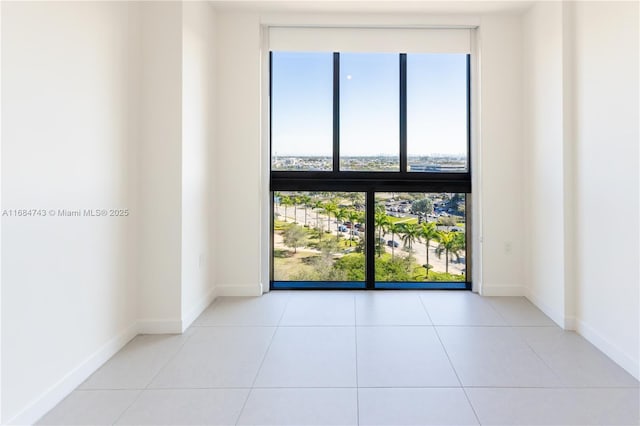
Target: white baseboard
56, 393
502, 290
557, 317
197, 309
570, 323
159, 326
624, 360
239, 290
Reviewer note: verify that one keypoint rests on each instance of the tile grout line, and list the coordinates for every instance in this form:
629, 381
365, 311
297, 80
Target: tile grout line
492, 306
264, 357
513, 329
169, 359
128, 407
435, 329
537, 355
565, 387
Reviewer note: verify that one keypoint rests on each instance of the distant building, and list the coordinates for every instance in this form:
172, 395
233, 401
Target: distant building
436, 168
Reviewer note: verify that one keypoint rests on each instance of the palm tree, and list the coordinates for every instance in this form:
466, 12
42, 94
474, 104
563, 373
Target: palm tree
381, 223
295, 200
306, 202
340, 214
330, 207
428, 232
449, 244
410, 234
394, 228
460, 244
353, 217
285, 201
317, 205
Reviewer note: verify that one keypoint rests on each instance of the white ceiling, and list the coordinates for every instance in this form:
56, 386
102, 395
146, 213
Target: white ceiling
377, 6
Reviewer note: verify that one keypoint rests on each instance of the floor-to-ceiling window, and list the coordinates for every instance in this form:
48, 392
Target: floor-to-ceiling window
370, 169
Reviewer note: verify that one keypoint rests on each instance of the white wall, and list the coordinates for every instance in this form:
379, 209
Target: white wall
502, 232
68, 283
544, 158
607, 135
160, 162
198, 132
237, 167
581, 132
240, 169
1, 206
176, 151
110, 105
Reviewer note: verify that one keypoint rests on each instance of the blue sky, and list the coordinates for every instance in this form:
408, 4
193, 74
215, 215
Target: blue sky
302, 111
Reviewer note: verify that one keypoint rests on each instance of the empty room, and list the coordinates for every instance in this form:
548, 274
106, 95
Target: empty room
320, 212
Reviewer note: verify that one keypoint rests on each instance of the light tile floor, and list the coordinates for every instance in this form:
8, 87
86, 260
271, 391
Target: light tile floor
368, 358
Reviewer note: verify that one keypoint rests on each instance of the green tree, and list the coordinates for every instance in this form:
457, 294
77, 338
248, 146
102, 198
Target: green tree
295, 200
447, 221
294, 237
424, 206
394, 228
381, 222
330, 207
317, 206
389, 269
306, 202
428, 233
340, 215
353, 265
410, 234
449, 244
353, 217
460, 244
356, 198
458, 203
285, 201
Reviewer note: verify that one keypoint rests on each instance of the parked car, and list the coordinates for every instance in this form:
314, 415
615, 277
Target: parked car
342, 228
392, 243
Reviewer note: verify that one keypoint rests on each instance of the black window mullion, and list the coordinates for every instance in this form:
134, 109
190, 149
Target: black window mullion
336, 112
469, 116
403, 113
370, 232
270, 112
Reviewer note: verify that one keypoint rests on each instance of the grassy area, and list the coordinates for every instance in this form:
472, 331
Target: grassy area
285, 267
280, 225
436, 276
403, 219
403, 268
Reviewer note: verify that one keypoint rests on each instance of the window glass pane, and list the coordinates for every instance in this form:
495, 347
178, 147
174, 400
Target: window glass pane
420, 237
301, 111
319, 237
369, 111
437, 112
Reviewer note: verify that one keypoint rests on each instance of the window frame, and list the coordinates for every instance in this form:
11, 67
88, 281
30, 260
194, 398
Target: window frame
372, 182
